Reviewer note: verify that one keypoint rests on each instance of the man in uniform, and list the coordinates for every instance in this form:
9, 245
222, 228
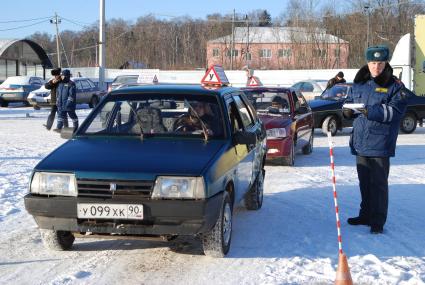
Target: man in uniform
66, 100
51, 85
374, 135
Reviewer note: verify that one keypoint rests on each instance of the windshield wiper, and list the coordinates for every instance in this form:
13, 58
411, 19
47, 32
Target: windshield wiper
204, 127
139, 121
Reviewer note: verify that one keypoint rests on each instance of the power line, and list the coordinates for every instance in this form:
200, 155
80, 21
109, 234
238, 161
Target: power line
27, 20
25, 26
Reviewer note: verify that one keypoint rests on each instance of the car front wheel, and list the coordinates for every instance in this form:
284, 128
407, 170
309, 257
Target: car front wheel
330, 125
408, 123
216, 242
57, 240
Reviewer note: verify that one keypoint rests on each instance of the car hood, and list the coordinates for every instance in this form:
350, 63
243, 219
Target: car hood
131, 158
322, 104
273, 121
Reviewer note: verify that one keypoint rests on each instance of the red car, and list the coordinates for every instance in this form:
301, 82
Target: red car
288, 120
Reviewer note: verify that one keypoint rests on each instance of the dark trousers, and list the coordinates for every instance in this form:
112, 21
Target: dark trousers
62, 119
373, 177
51, 118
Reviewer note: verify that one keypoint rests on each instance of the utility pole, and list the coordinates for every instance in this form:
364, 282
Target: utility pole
57, 21
366, 7
232, 46
247, 39
102, 55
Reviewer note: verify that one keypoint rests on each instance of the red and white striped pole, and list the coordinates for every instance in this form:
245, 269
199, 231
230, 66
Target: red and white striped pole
343, 275
338, 224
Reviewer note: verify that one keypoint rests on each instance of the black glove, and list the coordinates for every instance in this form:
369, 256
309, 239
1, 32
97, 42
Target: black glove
347, 113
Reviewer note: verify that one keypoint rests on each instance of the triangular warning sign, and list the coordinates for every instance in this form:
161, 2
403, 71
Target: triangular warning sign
253, 81
215, 76
155, 79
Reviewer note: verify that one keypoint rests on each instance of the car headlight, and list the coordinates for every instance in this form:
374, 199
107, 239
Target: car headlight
48, 183
276, 133
176, 187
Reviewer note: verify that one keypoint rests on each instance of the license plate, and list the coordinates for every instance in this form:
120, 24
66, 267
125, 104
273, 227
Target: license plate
110, 211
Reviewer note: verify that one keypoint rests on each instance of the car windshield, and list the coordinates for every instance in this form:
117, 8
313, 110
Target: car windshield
336, 92
269, 102
157, 115
322, 84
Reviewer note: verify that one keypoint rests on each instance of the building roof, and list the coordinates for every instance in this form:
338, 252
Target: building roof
280, 35
6, 43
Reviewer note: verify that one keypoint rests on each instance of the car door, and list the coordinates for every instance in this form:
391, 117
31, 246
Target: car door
242, 121
86, 91
303, 119
79, 91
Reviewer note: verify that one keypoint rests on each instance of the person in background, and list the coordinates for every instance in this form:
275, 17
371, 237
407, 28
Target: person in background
51, 85
374, 135
66, 100
339, 78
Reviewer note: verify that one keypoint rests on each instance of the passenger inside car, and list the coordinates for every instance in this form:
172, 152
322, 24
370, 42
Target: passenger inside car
279, 105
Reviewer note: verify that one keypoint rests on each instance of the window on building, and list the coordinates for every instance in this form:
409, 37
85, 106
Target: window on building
337, 52
265, 53
284, 52
216, 52
3, 74
319, 53
248, 56
235, 53
11, 67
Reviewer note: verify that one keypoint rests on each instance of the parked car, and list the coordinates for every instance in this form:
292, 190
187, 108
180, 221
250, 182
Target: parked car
87, 92
123, 79
145, 163
289, 126
17, 88
327, 110
310, 88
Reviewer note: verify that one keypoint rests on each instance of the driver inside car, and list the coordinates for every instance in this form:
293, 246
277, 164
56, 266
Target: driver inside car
278, 105
190, 122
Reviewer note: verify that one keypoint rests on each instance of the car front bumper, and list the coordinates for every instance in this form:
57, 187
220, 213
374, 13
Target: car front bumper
278, 148
161, 217
13, 96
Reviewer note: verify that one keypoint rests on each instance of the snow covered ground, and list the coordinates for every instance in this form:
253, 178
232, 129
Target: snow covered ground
291, 240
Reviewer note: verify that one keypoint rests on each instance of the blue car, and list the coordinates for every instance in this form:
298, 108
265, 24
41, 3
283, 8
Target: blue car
153, 161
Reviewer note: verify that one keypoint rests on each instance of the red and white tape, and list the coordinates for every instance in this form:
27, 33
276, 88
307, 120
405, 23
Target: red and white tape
338, 224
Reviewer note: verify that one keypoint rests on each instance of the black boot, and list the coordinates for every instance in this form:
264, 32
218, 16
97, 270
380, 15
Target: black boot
376, 229
358, 221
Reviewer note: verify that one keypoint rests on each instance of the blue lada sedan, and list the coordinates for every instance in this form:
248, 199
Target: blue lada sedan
159, 160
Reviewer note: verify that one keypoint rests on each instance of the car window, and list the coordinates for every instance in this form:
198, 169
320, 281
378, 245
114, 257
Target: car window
263, 101
336, 92
247, 120
92, 85
297, 86
78, 85
307, 87
85, 84
234, 117
125, 79
157, 114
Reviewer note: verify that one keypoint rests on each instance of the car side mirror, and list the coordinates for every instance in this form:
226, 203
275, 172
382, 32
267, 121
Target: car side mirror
67, 133
243, 137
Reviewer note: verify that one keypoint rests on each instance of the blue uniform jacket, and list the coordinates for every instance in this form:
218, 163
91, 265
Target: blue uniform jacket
66, 96
375, 133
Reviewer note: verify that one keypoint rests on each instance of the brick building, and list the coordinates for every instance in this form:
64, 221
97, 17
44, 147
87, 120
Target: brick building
279, 48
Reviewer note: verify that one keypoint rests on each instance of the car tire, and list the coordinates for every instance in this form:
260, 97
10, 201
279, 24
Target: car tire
330, 124
290, 159
57, 240
93, 101
216, 242
254, 197
408, 123
309, 147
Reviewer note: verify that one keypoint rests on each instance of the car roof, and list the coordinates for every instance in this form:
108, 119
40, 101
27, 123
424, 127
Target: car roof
268, 89
80, 78
173, 89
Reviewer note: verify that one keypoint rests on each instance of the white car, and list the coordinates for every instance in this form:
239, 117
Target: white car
87, 92
17, 88
311, 88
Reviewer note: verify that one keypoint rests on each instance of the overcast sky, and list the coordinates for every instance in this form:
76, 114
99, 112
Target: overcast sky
78, 13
